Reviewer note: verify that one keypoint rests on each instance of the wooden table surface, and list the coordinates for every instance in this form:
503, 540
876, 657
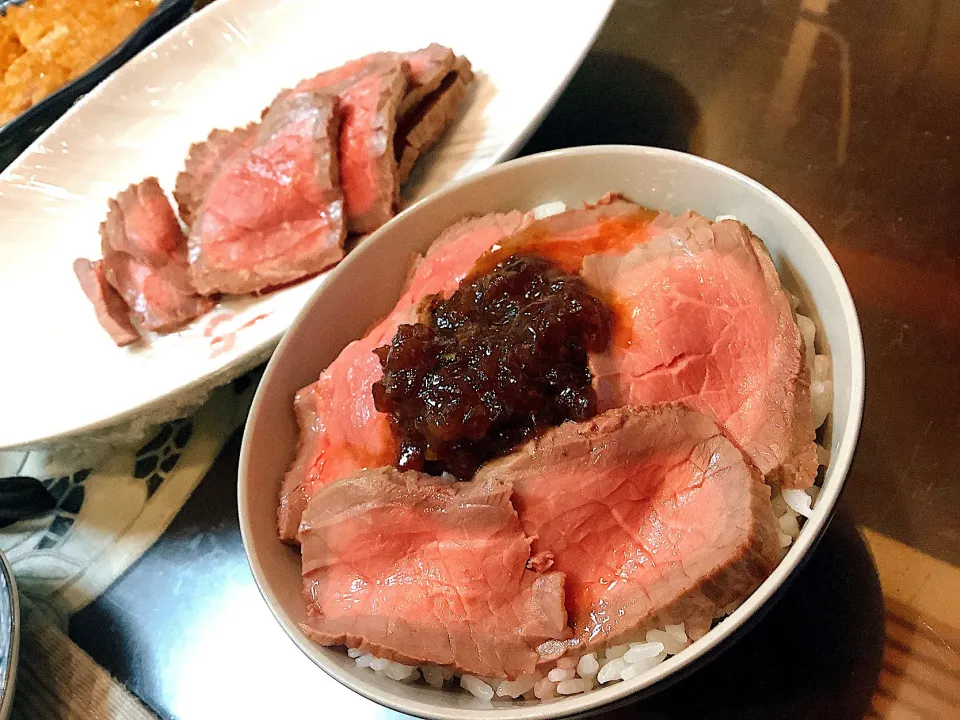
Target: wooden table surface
851, 111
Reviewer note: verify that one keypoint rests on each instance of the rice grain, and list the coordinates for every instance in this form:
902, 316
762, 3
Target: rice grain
572, 687
823, 455
611, 671
545, 690
821, 395
798, 501
411, 678
548, 209
559, 674
821, 368
396, 671
476, 687
617, 651
379, 664
808, 329
588, 667
516, 688
433, 675
671, 643
643, 651
789, 524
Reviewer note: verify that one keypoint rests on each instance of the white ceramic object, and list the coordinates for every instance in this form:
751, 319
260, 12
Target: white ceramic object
219, 69
367, 285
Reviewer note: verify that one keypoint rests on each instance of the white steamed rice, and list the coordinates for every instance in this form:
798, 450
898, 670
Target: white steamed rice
575, 675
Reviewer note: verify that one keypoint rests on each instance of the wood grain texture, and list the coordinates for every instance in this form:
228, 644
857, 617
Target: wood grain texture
56, 680
920, 679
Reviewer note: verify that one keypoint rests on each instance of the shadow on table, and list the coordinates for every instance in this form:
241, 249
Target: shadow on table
155, 614
816, 654
613, 99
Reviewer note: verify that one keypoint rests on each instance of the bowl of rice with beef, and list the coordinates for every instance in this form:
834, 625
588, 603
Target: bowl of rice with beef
553, 435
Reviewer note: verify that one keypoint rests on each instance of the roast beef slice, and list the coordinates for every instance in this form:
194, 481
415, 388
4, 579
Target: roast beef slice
701, 318
420, 570
145, 258
653, 515
428, 119
274, 212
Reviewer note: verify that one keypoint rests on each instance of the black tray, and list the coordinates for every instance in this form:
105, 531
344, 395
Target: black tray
17, 134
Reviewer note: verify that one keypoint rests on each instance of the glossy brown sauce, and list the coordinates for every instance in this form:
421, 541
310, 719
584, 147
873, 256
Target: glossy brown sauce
501, 360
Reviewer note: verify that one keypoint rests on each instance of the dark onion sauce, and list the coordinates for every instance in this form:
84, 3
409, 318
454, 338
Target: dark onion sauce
500, 361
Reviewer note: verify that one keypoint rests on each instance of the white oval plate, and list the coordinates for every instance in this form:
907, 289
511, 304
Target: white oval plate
62, 374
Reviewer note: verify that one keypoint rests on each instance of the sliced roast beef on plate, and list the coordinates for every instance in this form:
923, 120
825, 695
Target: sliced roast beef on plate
274, 211
703, 319
145, 262
653, 515
203, 164
429, 67
371, 97
377, 90
113, 314
420, 570
430, 116
270, 203
340, 430
367, 83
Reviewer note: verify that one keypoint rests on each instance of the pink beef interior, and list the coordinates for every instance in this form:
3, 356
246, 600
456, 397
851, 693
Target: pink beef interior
702, 319
419, 570
203, 164
145, 258
370, 89
653, 516
274, 213
368, 166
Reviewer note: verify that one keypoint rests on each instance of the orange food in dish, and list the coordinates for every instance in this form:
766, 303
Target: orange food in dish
45, 44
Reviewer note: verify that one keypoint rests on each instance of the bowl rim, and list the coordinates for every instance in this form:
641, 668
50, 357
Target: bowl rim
733, 624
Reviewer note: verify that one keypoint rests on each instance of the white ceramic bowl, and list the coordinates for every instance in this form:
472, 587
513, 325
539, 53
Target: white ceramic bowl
367, 284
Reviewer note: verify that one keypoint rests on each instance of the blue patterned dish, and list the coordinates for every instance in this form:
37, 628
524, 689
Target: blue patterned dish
9, 636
